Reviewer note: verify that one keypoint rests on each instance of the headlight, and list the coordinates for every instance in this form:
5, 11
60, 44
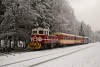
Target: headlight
39, 39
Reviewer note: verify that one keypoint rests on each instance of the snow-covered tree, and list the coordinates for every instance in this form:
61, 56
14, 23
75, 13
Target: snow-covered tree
17, 21
81, 31
2, 11
43, 11
18, 17
97, 36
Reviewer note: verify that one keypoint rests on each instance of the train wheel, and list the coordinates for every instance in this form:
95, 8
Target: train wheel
42, 46
49, 46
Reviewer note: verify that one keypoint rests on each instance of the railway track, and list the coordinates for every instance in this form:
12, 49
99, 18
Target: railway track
51, 56
58, 57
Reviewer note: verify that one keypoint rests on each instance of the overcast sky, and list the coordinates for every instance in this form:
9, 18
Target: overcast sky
87, 11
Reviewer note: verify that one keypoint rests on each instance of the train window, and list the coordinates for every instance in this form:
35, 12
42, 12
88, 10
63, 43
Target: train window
69, 38
63, 37
41, 32
34, 32
77, 38
66, 38
49, 32
72, 38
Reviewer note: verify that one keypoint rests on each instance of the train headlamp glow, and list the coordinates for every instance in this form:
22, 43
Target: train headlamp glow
39, 39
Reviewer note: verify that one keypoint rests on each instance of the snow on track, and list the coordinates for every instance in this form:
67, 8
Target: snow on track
31, 59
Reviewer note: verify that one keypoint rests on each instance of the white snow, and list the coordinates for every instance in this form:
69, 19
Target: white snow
74, 56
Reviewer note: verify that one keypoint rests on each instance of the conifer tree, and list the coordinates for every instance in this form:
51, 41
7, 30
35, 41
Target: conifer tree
81, 30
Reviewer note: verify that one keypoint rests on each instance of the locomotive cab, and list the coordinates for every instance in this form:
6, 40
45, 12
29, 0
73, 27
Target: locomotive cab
38, 31
37, 38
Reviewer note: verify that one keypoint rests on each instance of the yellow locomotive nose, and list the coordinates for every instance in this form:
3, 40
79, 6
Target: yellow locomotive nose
34, 46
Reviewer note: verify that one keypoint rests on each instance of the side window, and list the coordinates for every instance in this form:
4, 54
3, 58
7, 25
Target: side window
41, 32
63, 37
68, 38
49, 33
34, 32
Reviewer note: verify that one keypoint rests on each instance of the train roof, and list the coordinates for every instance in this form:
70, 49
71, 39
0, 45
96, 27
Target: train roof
59, 33
78, 36
85, 37
39, 28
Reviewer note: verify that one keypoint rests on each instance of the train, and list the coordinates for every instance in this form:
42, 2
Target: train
42, 39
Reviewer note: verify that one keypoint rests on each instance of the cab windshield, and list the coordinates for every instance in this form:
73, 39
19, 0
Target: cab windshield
41, 32
34, 32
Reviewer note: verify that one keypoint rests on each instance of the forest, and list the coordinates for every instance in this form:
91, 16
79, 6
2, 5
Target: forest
19, 17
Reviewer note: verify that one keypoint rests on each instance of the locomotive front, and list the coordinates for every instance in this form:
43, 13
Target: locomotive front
37, 38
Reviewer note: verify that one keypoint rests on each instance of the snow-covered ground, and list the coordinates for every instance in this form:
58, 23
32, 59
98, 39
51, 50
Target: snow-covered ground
75, 56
